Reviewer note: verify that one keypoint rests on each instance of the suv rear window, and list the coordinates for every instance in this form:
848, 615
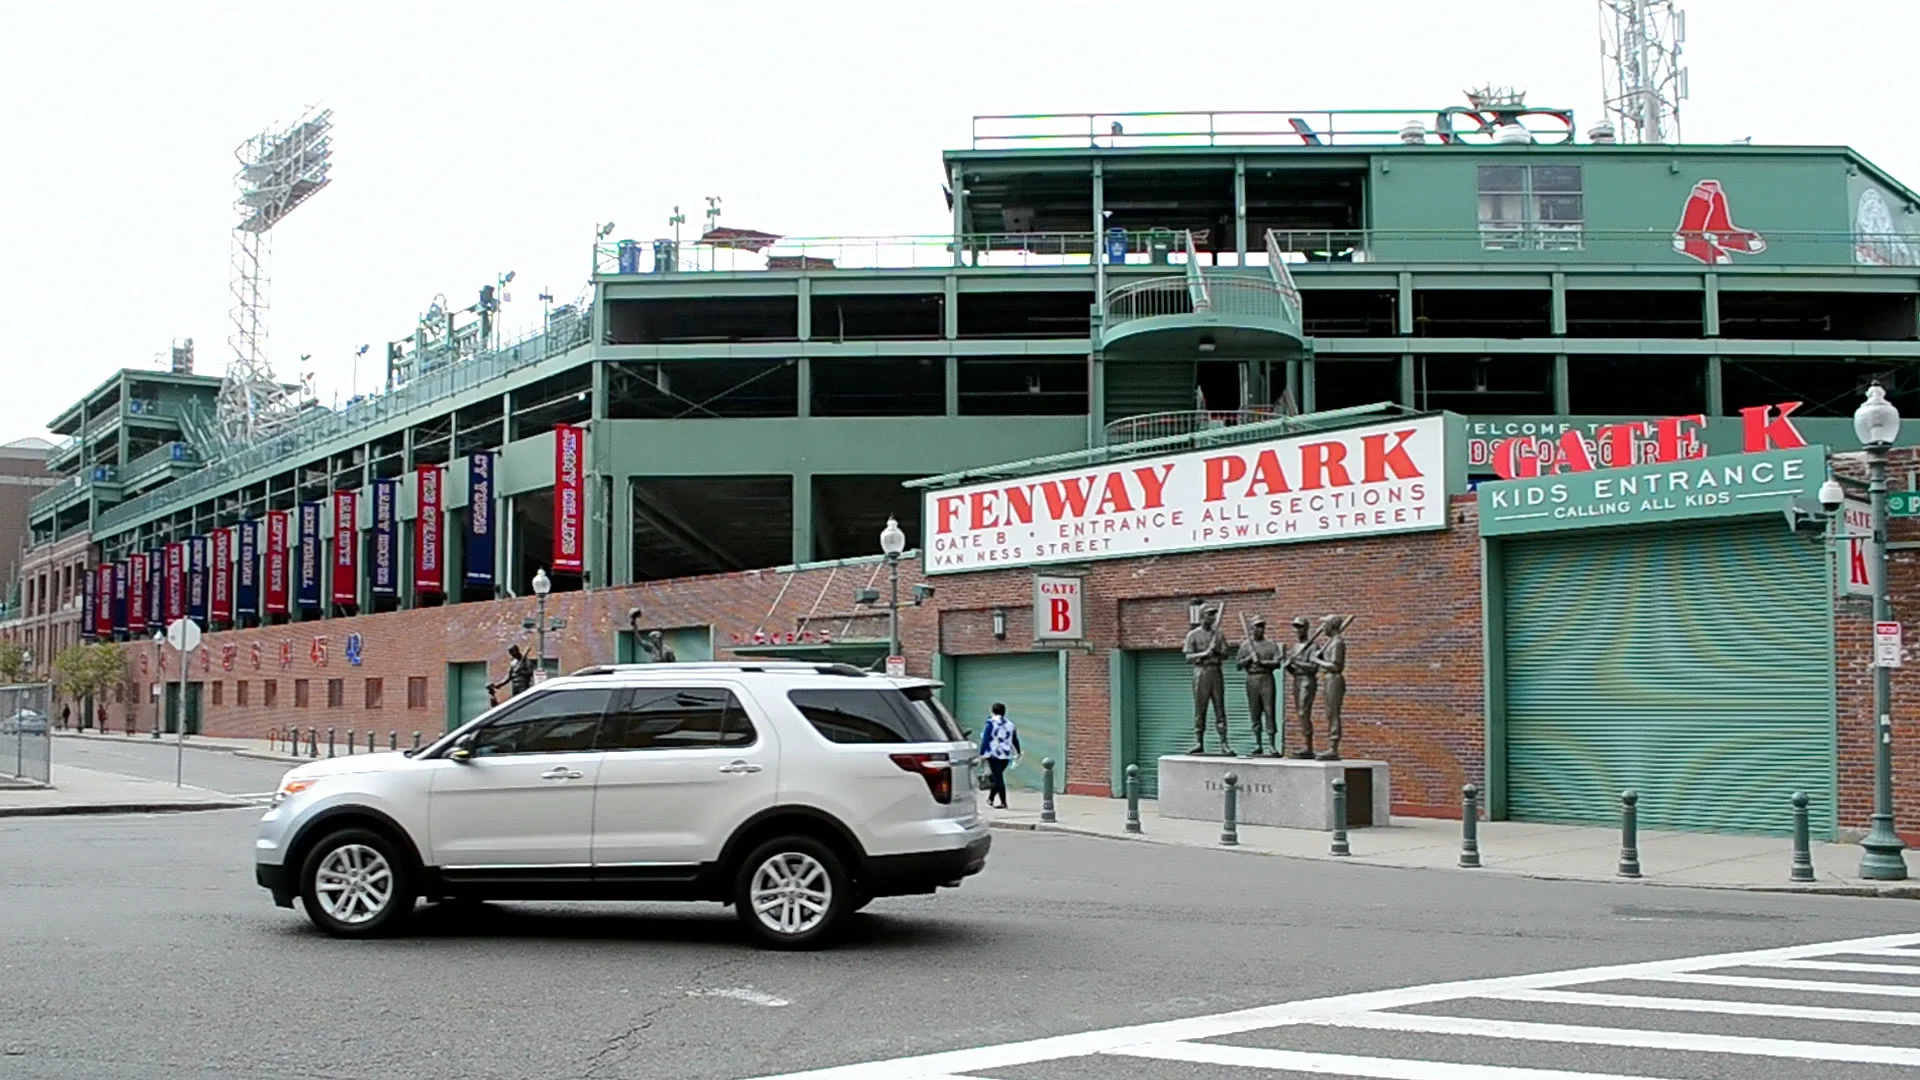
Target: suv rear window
876, 715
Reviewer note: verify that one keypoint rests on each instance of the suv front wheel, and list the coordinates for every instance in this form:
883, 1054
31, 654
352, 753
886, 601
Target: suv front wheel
793, 893
356, 885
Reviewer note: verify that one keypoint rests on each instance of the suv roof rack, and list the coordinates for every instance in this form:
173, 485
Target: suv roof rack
794, 666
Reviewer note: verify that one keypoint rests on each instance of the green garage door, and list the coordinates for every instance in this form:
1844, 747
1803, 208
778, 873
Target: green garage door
466, 692
1163, 713
1028, 684
1694, 664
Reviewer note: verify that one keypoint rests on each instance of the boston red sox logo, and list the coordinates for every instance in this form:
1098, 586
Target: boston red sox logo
227, 653
319, 652
286, 653
253, 653
1707, 233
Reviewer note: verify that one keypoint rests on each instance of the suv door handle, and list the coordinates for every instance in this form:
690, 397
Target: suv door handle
560, 772
740, 767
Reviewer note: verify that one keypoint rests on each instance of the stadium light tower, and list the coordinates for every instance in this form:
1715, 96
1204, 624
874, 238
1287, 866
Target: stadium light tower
1640, 70
279, 170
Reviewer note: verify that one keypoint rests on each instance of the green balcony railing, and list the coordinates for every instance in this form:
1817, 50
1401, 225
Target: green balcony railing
162, 456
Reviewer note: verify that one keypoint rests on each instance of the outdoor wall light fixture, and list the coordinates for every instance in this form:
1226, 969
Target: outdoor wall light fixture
1000, 624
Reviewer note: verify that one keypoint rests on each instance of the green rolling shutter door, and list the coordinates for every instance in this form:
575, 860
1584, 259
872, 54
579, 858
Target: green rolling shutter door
1693, 664
1163, 713
1028, 684
467, 692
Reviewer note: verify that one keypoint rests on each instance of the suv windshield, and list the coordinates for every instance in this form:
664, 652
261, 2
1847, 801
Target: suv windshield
876, 715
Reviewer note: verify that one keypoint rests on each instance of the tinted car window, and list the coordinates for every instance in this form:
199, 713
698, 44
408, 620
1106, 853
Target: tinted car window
554, 722
869, 716
678, 718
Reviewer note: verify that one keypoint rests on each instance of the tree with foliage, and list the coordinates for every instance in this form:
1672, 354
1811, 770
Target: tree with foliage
13, 662
90, 670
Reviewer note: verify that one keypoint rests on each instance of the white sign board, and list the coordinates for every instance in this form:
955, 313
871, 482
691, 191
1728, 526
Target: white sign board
897, 666
1854, 551
1058, 614
1886, 644
1366, 481
183, 635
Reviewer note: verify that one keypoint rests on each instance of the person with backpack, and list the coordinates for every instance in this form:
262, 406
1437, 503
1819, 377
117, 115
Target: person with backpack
1000, 745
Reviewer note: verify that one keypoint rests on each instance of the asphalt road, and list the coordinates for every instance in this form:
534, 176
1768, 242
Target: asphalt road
139, 947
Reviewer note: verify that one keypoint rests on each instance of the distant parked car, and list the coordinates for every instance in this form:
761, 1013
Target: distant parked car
24, 722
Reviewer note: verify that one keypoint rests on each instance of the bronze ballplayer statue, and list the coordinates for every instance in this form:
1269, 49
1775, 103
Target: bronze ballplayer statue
1304, 674
1260, 658
1331, 659
1206, 650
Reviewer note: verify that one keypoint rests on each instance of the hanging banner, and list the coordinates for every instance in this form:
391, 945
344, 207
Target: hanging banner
274, 567
569, 527
103, 602
479, 561
120, 600
346, 548
137, 595
197, 579
176, 582
386, 571
427, 577
156, 590
87, 603
220, 564
309, 570
246, 585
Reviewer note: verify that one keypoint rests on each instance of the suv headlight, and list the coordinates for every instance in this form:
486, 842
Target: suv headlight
290, 787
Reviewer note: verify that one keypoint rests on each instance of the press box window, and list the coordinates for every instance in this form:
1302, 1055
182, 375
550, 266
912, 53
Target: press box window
1531, 208
673, 718
877, 716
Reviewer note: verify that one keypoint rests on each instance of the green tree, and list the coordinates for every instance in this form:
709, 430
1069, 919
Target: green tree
90, 670
13, 662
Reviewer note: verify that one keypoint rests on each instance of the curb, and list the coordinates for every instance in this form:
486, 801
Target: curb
1891, 892
72, 809
264, 755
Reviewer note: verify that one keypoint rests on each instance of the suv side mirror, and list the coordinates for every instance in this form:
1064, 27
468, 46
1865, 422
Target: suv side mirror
462, 748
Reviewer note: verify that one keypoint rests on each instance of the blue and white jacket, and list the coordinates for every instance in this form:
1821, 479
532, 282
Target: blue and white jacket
999, 740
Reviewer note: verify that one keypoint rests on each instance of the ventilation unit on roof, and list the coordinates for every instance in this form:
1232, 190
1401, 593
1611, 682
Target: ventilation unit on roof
1414, 133
1512, 135
1601, 133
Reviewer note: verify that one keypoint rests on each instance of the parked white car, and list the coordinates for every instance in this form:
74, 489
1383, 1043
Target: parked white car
794, 792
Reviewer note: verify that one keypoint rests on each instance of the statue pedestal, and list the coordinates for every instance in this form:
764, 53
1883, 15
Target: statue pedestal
1289, 793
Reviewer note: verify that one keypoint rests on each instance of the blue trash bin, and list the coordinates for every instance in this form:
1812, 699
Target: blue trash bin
629, 256
1116, 245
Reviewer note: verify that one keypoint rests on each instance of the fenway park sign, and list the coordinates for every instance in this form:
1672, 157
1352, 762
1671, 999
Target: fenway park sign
1384, 478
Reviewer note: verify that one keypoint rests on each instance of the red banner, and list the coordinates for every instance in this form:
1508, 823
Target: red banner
276, 574
220, 596
346, 548
103, 601
137, 595
569, 487
427, 575
176, 582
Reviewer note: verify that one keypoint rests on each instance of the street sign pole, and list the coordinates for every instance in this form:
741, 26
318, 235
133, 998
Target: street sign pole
184, 636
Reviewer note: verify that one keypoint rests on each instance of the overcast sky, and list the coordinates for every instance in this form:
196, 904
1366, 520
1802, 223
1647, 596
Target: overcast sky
481, 137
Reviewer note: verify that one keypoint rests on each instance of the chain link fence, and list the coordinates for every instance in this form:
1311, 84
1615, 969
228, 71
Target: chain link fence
26, 736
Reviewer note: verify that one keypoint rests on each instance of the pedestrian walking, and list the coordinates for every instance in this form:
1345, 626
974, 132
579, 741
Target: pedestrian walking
66, 715
1000, 745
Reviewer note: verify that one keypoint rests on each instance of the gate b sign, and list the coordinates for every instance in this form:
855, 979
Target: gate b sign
1058, 614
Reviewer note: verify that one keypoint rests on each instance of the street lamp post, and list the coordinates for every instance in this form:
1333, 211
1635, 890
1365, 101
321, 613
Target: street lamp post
542, 585
1877, 424
159, 701
893, 542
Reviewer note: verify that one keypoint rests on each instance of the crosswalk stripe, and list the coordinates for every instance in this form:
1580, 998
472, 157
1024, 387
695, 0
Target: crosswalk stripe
1759, 982
1909, 954
1847, 966
1711, 1005
1633, 1038
1374, 1068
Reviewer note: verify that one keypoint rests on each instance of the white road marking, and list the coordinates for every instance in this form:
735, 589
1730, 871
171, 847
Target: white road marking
1758, 982
1712, 1005
969, 1062
1377, 1068
743, 993
1638, 1038
1853, 967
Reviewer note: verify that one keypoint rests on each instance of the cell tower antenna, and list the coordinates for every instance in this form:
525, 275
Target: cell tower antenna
1644, 84
279, 170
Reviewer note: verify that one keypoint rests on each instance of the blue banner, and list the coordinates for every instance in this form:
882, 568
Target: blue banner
120, 599
156, 590
308, 573
86, 605
386, 576
197, 579
478, 567
247, 574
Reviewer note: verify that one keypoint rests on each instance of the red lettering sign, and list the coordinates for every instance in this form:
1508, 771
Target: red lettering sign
221, 595
1766, 427
569, 489
427, 577
1059, 615
276, 562
346, 548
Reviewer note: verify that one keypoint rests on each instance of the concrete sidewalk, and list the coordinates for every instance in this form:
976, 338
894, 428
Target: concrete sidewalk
89, 791
1559, 852
261, 749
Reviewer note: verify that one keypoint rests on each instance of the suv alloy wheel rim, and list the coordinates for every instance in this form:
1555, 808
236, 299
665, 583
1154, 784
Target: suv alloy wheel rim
353, 884
791, 893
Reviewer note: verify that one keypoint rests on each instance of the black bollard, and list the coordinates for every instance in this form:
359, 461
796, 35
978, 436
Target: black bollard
370, 734
1046, 790
313, 742
330, 742
1340, 819
416, 740
393, 740
1629, 834
1133, 798
1470, 826
1230, 827
1802, 848
351, 742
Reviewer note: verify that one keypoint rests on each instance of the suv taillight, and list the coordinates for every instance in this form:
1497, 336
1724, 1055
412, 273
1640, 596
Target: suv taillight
935, 769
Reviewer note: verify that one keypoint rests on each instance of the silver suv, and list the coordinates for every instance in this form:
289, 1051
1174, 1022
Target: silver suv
793, 792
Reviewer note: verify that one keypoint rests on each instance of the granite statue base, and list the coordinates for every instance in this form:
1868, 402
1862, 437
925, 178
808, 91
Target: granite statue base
1286, 792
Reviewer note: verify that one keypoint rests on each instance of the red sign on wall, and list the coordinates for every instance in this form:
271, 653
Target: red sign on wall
220, 596
569, 487
427, 575
1765, 427
346, 547
276, 562
137, 595
103, 606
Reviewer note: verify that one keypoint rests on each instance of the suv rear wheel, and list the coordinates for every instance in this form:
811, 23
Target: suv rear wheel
355, 884
793, 893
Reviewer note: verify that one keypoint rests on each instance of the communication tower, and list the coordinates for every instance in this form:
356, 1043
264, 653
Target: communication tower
1640, 70
279, 170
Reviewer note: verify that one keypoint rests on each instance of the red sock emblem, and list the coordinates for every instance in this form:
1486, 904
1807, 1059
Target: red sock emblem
1707, 233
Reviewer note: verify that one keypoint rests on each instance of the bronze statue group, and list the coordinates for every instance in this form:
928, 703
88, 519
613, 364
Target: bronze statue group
1314, 655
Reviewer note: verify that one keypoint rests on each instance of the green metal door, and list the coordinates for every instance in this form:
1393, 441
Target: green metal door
1163, 712
1028, 684
466, 692
1693, 664
193, 707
